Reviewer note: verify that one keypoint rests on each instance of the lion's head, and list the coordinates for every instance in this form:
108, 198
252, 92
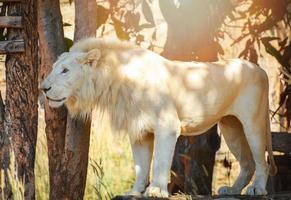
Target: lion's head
67, 76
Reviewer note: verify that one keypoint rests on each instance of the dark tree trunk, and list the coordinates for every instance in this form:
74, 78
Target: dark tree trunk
190, 37
68, 139
78, 131
190, 33
21, 112
193, 163
5, 148
52, 45
76, 157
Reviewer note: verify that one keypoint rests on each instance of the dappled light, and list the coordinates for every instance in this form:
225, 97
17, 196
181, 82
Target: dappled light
101, 99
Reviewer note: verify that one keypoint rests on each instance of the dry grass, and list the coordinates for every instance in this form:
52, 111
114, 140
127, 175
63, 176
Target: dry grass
111, 153
17, 185
110, 169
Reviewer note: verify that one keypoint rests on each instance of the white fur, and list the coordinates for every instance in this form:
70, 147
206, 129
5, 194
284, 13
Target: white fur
146, 94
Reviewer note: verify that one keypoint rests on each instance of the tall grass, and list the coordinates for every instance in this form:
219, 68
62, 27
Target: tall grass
110, 169
17, 185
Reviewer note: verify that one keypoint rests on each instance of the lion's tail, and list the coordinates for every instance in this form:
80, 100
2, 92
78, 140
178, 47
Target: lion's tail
272, 167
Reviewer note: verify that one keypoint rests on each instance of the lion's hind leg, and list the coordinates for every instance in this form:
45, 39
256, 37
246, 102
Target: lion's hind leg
254, 128
232, 130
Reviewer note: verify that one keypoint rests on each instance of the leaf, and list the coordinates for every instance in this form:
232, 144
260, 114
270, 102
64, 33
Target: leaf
139, 39
219, 48
243, 54
270, 49
69, 43
103, 30
283, 43
253, 55
66, 24
102, 15
143, 26
240, 38
147, 12
120, 33
154, 35
268, 39
132, 19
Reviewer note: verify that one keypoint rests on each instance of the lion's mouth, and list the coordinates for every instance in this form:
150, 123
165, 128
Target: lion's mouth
56, 100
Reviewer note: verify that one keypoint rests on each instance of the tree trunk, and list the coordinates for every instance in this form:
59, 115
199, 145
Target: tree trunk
190, 37
52, 44
85, 19
5, 148
78, 131
21, 112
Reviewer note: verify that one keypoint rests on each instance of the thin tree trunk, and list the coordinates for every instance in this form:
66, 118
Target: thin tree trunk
85, 19
5, 148
78, 131
52, 44
21, 114
190, 38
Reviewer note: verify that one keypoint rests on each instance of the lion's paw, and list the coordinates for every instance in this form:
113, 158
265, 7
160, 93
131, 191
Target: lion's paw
153, 191
226, 190
256, 190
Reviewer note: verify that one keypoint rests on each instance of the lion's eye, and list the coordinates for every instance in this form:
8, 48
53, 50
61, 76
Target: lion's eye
65, 70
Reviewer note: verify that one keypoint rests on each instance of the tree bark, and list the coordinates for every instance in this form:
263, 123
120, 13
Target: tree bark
52, 44
78, 131
68, 139
188, 24
21, 114
85, 19
190, 37
5, 148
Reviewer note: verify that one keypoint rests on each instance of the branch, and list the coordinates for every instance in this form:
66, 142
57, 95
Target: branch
287, 74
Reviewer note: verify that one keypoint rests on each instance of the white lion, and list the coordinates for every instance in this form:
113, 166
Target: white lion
148, 95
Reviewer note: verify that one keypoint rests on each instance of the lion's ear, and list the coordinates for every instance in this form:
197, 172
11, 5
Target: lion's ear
92, 58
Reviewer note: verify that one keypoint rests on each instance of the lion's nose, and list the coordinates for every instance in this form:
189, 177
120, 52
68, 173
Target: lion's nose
45, 89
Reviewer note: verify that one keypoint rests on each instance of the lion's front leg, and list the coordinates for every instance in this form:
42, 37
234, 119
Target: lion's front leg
165, 141
142, 151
